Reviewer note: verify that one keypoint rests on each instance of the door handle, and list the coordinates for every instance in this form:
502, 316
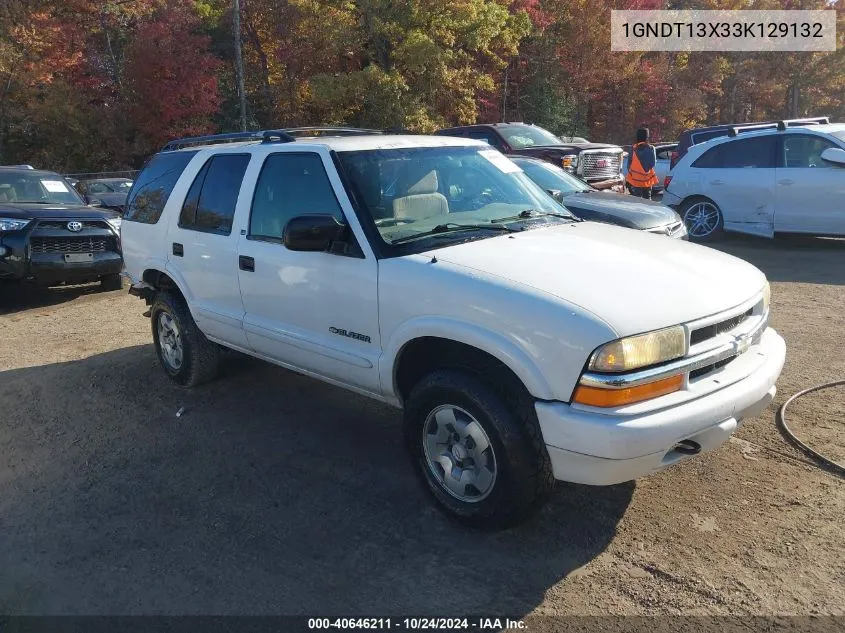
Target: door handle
246, 263
716, 182
786, 181
178, 249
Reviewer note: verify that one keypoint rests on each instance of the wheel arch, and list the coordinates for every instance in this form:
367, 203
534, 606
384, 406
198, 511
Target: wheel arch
158, 279
459, 346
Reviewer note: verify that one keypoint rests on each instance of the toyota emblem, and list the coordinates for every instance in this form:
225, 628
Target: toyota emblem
76, 227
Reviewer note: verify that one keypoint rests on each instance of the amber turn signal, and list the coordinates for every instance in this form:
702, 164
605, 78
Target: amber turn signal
598, 397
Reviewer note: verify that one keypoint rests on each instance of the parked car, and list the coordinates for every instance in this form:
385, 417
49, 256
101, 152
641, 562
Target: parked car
762, 182
602, 206
50, 236
599, 164
663, 152
431, 273
106, 192
703, 134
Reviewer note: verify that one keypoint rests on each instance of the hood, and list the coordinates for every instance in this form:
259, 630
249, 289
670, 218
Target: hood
574, 146
619, 208
25, 211
633, 281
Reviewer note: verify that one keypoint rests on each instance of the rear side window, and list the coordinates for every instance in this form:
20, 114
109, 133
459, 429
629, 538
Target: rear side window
710, 159
153, 186
700, 137
753, 152
210, 203
756, 153
290, 185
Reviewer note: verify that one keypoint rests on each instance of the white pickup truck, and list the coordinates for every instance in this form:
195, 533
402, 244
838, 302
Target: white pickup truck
430, 273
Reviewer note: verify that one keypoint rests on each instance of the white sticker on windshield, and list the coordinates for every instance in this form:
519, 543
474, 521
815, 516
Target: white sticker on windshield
54, 186
499, 160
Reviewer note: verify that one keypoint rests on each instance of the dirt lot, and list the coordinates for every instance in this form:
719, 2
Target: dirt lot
274, 493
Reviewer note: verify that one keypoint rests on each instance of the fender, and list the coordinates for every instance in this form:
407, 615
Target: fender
163, 266
505, 349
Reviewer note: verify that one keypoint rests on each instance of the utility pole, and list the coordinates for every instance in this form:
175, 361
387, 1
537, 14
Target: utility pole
239, 62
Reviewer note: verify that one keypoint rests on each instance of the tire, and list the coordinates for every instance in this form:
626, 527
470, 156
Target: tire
177, 337
111, 282
699, 210
517, 459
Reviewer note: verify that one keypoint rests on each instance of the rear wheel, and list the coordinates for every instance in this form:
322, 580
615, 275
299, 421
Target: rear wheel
480, 455
184, 352
703, 219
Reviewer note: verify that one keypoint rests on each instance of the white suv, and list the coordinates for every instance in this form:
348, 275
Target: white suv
766, 180
430, 273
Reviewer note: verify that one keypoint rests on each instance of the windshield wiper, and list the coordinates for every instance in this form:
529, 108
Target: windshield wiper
534, 213
452, 227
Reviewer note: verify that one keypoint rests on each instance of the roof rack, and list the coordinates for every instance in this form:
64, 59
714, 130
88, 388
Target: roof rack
329, 131
265, 136
738, 129
780, 125
822, 120
282, 135
16, 167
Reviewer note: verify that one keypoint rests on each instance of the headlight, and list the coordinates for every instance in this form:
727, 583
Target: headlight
12, 224
115, 224
569, 161
638, 351
767, 297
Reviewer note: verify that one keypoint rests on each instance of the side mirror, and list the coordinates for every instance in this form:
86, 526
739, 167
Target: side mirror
557, 194
834, 155
93, 202
313, 232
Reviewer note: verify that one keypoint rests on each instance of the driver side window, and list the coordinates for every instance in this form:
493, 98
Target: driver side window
804, 150
289, 185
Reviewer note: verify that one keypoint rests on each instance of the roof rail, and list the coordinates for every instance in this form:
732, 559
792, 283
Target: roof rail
822, 120
265, 136
282, 135
738, 129
311, 131
17, 167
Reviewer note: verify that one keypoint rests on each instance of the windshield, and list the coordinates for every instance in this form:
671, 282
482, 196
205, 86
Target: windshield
408, 192
520, 136
550, 176
38, 188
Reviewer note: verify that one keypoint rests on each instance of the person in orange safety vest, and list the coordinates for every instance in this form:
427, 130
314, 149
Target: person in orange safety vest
641, 176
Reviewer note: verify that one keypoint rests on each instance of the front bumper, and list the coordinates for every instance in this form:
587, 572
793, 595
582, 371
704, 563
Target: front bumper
606, 183
19, 263
602, 449
51, 268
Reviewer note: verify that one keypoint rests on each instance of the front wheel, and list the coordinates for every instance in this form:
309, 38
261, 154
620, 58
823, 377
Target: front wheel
111, 282
184, 352
479, 455
703, 219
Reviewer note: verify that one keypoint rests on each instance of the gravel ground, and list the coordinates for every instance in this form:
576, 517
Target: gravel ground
276, 494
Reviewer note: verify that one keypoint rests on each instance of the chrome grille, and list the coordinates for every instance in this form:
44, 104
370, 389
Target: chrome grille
600, 164
71, 244
710, 331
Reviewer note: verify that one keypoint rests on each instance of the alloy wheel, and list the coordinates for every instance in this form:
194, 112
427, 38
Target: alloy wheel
459, 453
702, 219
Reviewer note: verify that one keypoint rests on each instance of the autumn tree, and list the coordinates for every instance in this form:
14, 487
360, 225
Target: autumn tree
170, 78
